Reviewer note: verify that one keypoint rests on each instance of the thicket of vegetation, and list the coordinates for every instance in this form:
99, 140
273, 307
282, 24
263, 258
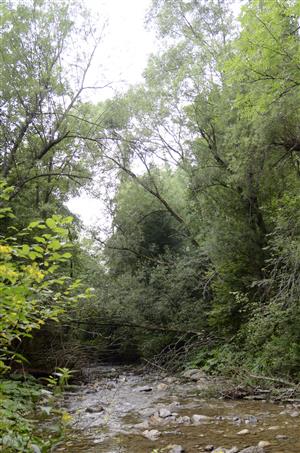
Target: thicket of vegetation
200, 166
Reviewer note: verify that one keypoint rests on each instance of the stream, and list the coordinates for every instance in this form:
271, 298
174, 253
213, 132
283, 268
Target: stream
127, 410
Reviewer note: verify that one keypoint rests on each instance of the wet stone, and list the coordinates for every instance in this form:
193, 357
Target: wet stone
162, 386
94, 409
145, 388
164, 412
147, 412
251, 419
152, 434
197, 419
281, 437
176, 449
243, 432
264, 443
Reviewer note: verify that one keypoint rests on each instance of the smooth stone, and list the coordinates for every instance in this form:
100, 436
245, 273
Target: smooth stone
164, 413
196, 419
294, 414
176, 449
162, 386
273, 428
209, 448
145, 388
263, 443
152, 434
281, 437
157, 421
251, 419
170, 380
243, 432
147, 412
185, 420
94, 409
194, 375
188, 373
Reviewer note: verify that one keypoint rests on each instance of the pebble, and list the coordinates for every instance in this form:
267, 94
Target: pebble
209, 448
170, 380
147, 412
273, 428
162, 386
176, 449
145, 388
152, 434
281, 437
185, 420
197, 419
251, 419
263, 443
243, 432
94, 409
156, 420
164, 413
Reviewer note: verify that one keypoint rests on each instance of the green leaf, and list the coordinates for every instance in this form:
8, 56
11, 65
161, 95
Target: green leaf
54, 245
51, 224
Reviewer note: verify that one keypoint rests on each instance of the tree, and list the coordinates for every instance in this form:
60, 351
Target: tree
43, 80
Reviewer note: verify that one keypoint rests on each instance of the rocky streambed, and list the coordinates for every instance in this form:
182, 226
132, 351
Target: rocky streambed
123, 410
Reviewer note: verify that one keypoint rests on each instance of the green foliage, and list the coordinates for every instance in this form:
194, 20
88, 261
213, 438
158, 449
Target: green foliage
18, 401
60, 379
32, 289
209, 239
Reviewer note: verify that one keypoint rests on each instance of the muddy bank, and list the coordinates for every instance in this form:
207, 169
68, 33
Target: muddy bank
124, 410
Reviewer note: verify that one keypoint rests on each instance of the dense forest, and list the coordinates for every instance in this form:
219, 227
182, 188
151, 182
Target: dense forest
199, 170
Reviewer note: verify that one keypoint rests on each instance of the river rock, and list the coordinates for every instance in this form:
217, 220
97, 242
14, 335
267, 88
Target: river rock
147, 412
94, 409
176, 449
156, 420
263, 443
164, 412
170, 379
197, 419
294, 414
145, 388
250, 419
209, 448
243, 432
162, 386
194, 375
184, 420
281, 437
152, 434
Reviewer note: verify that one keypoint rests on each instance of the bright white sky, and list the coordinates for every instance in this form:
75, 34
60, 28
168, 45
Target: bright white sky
121, 59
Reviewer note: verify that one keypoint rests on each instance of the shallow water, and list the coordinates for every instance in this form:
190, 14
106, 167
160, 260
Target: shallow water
116, 395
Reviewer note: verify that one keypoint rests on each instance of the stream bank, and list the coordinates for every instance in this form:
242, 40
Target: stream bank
124, 409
